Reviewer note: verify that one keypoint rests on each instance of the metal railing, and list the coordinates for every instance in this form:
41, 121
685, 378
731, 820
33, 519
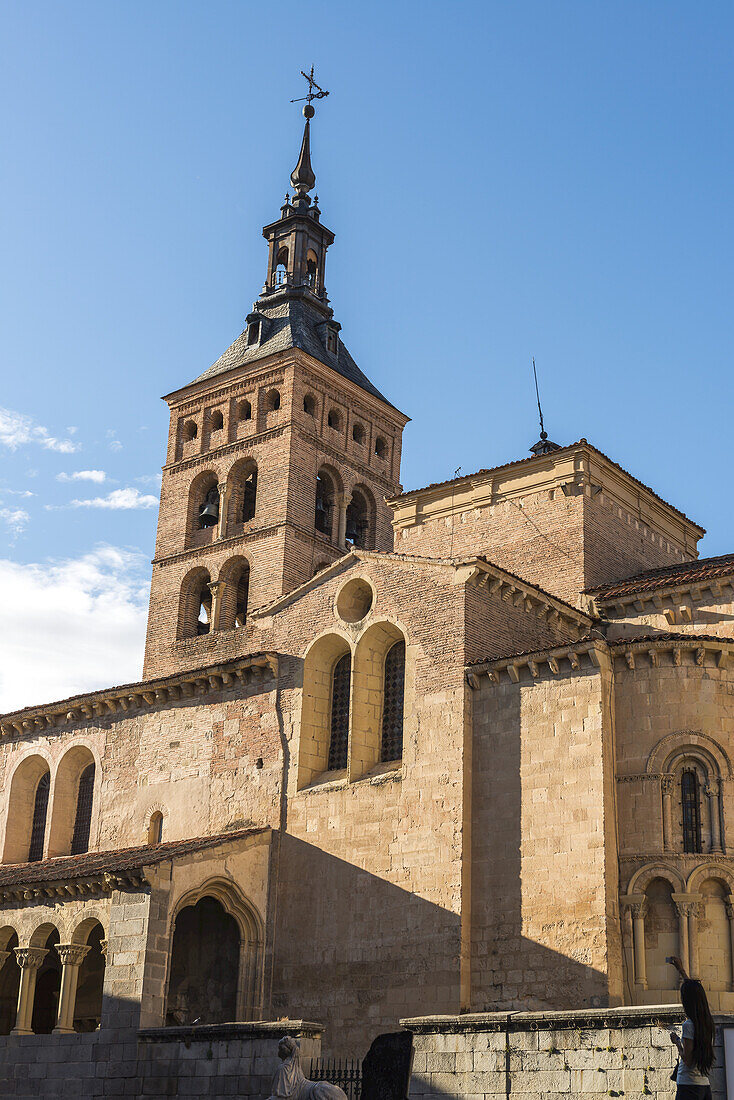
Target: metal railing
344, 1072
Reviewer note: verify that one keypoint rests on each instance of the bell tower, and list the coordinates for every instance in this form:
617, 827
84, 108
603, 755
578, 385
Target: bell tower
280, 455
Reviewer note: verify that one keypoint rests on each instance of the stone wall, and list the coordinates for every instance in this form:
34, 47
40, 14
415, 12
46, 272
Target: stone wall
218, 1061
618, 1052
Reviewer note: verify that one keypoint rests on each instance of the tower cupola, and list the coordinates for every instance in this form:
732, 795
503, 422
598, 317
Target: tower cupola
298, 241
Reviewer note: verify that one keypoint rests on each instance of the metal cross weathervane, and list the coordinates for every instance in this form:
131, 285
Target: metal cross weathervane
318, 94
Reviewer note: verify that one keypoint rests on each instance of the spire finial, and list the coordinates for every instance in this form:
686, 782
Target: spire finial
544, 446
302, 176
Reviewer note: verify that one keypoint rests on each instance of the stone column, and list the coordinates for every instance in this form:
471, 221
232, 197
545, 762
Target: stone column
683, 905
667, 784
71, 955
730, 915
713, 789
638, 908
225, 492
340, 500
30, 960
693, 914
215, 587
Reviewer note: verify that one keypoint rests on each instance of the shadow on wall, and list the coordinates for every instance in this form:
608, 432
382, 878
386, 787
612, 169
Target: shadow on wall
358, 953
534, 823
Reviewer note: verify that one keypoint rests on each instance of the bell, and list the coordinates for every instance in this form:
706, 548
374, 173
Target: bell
209, 511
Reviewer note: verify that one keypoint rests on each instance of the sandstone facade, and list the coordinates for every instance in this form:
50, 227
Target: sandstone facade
457, 750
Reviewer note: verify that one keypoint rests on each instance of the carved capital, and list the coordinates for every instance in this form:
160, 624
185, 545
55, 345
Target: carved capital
103, 945
638, 909
712, 788
71, 954
729, 910
667, 783
30, 958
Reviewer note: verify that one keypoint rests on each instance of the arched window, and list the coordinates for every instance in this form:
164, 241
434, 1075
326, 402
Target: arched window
244, 410
195, 605
339, 740
358, 434
249, 496
243, 592
38, 827
309, 404
324, 503
312, 268
190, 431
691, 803
281, 267
208, 511
357, 519
235, 591
83, 818
380, 447
155, 828
216, 421
272, 401
90, 984
253, 333
393, 703
334, 419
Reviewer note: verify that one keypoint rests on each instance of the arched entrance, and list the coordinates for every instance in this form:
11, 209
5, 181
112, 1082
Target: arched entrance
88, 1007
9, 984
48, 984
205, 960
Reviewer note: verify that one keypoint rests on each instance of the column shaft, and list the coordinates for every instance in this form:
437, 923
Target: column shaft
30, 960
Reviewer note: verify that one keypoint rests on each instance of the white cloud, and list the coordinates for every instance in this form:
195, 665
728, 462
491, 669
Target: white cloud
25, 493
149, 479
17, 430
115, 445
78, 625
83, 475
17, 519
119, 499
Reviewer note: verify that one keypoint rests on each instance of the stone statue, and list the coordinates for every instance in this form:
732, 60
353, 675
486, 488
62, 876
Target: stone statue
289, 1082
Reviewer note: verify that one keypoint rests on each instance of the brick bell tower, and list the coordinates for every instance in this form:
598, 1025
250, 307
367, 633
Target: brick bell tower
280, 456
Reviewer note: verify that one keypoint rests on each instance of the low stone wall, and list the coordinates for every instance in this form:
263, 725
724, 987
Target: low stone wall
622, 1052
219, 1061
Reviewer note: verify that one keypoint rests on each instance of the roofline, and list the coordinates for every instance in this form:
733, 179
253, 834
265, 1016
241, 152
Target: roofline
565, 609
540, 460
107, 701
667, 580
281, 358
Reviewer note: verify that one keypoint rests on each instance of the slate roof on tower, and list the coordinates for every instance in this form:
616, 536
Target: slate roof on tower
292, 323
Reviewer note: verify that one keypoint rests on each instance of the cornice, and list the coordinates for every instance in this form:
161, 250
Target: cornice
649, 650
70, 887
580, 656
308, 534
253, 670
667, 599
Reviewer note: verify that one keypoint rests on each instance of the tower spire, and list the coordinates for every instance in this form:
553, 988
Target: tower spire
302, 176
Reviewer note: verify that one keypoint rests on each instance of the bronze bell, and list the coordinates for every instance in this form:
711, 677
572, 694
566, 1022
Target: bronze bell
209, 511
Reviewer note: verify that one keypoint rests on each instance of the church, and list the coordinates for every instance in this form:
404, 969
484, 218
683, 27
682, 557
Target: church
458, 749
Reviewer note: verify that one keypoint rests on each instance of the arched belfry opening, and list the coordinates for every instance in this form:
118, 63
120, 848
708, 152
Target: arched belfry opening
195, 604
48, 986
90, 983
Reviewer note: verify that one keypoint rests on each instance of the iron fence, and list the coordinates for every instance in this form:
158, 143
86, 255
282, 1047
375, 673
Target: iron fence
344, 1072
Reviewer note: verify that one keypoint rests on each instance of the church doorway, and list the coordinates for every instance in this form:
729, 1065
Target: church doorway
48, 984
9, 986
205, 965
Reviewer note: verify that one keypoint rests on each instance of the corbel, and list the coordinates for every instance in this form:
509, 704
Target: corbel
630, 659
149, 697
124, 703
722, 658
161, 695
677, 656
574, 660
670, 615
187, 689
653, 655
685, 613
513, 673
553, 665
533, 669
472, 681
700, 656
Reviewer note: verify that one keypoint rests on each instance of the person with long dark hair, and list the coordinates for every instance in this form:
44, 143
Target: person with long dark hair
696, 1044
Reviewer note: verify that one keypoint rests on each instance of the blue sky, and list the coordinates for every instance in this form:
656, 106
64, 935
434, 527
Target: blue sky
504, 180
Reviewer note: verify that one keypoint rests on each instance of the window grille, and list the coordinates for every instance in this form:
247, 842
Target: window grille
83, 821
339, 743
394, 696
38, 828
346, 1073
691, 811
